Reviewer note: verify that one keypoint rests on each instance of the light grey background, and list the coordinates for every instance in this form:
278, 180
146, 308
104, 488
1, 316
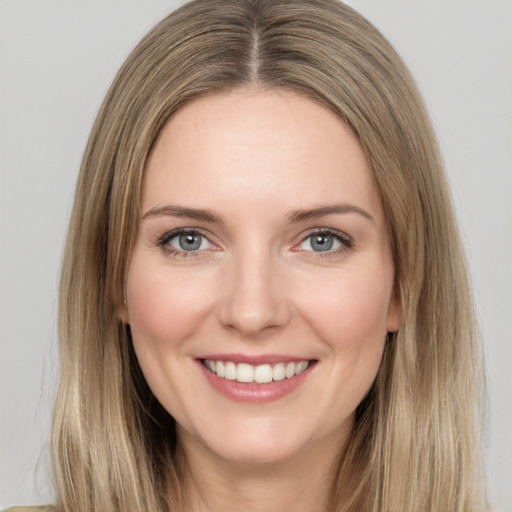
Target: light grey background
57, 59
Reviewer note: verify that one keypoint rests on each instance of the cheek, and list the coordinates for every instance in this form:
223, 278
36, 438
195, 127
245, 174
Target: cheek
349, 313
349, 317
164, 307
165, 310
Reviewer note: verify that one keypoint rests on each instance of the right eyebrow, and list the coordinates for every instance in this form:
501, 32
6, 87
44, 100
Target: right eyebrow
322, 211
184, 213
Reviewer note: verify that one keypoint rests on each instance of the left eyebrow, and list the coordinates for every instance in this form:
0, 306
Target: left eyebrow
183, 212
321, 211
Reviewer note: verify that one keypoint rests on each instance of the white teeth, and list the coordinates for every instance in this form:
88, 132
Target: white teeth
230, 371
245, 373
290, 370
220, 369
261, 374
301, 367
278, 372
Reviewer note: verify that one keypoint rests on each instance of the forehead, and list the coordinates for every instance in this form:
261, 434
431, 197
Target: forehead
272, 147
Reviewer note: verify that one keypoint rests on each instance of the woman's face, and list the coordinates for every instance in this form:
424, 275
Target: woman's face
260, 288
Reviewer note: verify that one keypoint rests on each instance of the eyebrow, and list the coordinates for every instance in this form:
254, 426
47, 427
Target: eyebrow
321, 211
294, 216
184, 213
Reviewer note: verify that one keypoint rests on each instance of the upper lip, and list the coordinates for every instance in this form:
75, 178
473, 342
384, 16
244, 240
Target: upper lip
255, 359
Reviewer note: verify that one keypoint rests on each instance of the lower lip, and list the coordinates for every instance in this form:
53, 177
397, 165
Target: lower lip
252, 392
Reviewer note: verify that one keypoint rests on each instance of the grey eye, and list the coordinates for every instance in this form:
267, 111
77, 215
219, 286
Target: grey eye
320, 242
189, 242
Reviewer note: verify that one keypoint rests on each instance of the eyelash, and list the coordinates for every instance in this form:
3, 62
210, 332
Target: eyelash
346, 242
163, 242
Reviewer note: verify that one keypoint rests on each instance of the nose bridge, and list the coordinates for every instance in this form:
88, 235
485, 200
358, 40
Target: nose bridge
255, 298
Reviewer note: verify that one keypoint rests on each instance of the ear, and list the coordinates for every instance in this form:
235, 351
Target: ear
395, 312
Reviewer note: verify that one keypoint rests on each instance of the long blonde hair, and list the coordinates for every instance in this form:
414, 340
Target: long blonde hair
415, 442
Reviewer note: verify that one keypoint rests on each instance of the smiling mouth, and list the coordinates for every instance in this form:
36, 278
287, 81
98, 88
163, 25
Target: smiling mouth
259, 374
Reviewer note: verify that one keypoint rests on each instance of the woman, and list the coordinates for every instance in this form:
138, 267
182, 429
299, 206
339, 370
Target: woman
264, 303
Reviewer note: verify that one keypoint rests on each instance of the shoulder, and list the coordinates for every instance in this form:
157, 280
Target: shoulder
45, 508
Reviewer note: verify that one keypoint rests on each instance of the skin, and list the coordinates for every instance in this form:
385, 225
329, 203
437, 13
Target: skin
257, 286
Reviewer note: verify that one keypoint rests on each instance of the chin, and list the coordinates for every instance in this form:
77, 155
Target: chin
263, 441
258, 451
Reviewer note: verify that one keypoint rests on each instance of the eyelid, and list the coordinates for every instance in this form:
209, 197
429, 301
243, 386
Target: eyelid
163, 242
346, 241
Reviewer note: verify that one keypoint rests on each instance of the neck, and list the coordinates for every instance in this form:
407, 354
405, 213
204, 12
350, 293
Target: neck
301, 483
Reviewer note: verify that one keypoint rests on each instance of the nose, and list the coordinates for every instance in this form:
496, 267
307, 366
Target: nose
255, 297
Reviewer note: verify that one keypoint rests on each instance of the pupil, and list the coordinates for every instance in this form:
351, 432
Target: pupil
322, 242
190, 242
